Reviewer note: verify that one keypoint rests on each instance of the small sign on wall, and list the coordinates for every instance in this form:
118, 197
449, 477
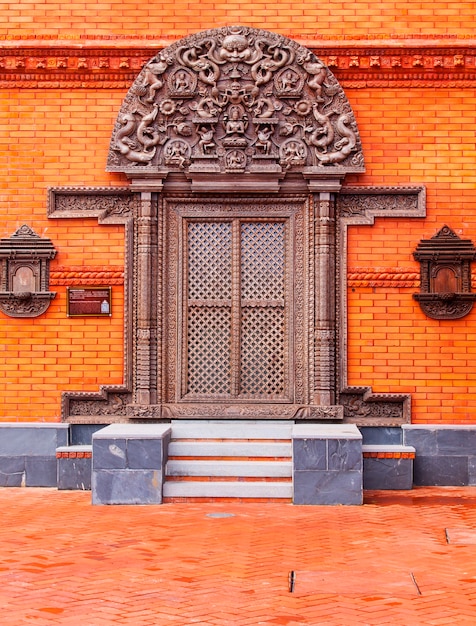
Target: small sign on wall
89, 301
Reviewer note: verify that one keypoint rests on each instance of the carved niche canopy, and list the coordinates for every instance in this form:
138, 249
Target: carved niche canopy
445, 268
235, 100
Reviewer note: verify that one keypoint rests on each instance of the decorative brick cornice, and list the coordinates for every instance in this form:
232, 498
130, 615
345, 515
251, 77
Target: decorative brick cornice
383, 277
87, 276
355, 65
396, 277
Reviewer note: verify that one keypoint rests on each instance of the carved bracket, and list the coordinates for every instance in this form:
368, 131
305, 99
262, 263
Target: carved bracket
24, 280
445, 267
365, 408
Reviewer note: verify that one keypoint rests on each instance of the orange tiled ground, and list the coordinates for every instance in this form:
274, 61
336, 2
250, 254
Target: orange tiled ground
63, 561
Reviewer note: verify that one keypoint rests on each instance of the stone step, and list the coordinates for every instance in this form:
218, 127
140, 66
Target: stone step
230, 448
227, 489
217, 429
262, 469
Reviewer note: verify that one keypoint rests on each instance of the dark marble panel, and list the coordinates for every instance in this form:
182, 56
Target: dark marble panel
31, 440
40, 471
82, 434
388, 473
109, 454
379, 435
316, 487
127, 487
310, 454
344, 454
457, 442
144, 454
440, 470
12, 471
74, 474
472, 470
424, 440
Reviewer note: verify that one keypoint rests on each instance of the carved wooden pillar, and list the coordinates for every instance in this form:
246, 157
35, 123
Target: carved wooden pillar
145, 385
325, 299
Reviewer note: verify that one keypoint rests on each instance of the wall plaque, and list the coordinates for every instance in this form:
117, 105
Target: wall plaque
89, 301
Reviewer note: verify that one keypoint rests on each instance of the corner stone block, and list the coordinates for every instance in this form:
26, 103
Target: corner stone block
127, 487
128, 463
327, 464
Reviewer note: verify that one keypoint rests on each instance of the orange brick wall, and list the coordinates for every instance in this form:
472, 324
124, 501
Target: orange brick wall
307, 19
60, 137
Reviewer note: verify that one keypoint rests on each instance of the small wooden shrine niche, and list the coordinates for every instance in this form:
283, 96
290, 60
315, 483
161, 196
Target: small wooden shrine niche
24, 279
445, 269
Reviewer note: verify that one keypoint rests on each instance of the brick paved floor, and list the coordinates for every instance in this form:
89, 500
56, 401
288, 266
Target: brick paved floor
403, 558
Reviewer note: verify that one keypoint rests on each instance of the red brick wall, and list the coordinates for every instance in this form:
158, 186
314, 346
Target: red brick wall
59, 136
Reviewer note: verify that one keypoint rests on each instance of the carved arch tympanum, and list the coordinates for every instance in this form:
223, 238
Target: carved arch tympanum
235, 100
243, 135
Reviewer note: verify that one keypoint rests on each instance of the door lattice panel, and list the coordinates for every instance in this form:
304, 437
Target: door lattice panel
209, 261
262, 351
262, 261
236, 315
209, 333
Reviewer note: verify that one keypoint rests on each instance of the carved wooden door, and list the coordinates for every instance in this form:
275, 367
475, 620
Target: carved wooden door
234, 308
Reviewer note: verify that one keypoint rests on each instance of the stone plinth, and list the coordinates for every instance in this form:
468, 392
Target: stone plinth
73, 465
388, 467
327, 464
128, 463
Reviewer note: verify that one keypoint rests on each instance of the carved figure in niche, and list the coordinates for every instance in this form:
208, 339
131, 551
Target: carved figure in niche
235, 160
292, 152
206, 142
177, 152
236, 123
152, 80
263, 143
288, 81
344, 146
181, 81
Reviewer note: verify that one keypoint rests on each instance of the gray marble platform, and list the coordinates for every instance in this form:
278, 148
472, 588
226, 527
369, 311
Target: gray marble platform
28, 453
445, 454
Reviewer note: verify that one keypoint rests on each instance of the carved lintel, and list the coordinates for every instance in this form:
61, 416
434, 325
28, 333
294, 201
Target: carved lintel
252, 411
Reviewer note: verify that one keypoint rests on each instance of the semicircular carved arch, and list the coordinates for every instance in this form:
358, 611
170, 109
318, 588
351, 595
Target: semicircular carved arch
235, 100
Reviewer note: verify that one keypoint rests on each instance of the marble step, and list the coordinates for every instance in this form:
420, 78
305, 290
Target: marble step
261, 469
230, 448
218, 429
227, 489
